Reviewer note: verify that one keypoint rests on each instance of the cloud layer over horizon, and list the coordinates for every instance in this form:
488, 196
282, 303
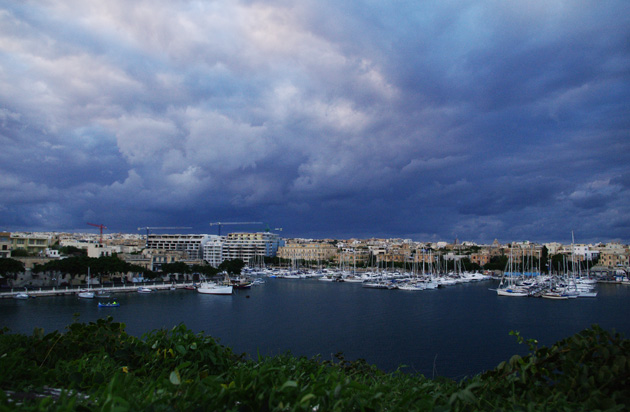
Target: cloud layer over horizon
443, 119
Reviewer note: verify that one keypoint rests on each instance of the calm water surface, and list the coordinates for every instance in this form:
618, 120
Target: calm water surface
457, 331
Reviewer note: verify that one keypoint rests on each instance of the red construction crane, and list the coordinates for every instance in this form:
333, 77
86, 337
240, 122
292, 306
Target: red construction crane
100, 240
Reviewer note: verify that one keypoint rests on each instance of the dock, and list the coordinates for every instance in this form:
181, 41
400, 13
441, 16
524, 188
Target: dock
73, 290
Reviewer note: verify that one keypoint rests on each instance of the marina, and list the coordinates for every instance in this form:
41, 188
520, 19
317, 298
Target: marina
452, 331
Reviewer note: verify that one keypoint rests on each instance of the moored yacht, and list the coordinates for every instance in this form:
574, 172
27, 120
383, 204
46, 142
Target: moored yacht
212, 288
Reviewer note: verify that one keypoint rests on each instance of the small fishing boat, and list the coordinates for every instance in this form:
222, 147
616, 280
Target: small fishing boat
144, 290
21, 295
108, 304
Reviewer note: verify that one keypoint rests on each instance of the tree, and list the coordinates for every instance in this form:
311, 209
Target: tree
468, 265
11, 267
233, 267
72, 251
206, 270
496, 263
78, 265
175, 267
20, 252
544, 255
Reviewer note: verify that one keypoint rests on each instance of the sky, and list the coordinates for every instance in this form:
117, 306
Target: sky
432, 120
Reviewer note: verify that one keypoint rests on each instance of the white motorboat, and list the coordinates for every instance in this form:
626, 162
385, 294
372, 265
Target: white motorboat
86, 294
516, 292
143, 289
212, 288
411, 286
21, 295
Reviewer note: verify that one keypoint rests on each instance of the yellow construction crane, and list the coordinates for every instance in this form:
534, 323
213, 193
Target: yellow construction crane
220, 224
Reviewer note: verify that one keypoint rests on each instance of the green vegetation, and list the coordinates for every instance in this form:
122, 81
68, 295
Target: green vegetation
233, 266
20, 253
98, 366
10, 267
78, 265
72, 251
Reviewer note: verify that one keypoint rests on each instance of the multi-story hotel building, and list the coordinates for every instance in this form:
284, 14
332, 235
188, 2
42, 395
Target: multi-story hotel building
213, 250
247, 246
191, 244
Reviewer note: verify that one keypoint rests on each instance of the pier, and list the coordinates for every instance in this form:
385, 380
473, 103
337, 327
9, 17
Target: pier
73, 290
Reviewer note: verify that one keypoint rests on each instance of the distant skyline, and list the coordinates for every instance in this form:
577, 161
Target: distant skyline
421, 120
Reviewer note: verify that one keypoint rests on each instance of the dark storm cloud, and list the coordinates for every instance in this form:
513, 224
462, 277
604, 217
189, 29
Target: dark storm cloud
431, 120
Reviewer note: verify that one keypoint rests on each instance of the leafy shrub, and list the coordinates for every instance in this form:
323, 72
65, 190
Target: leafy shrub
99, 366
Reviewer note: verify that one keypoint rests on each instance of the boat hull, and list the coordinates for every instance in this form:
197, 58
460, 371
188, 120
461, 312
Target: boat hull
214, 289
511, 292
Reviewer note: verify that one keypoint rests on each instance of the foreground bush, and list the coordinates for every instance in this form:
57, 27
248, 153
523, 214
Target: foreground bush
98, 366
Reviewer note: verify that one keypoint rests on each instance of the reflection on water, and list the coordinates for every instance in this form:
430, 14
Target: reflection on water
457, 331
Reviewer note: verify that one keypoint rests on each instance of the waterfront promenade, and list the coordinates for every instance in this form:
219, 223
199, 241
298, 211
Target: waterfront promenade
73, 290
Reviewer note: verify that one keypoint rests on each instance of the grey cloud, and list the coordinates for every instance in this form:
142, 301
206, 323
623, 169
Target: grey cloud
430, 119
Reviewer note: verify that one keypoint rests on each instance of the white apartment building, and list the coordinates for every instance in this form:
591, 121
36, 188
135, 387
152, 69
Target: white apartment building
584, 252
246, 246
191, 244
96, 250
553, 247
213, 250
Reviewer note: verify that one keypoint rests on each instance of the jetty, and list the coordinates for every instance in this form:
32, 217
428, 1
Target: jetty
35, 292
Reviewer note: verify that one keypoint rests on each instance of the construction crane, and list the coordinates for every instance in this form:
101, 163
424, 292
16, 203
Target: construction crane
149, 228
220, 224
277, 229
100, 240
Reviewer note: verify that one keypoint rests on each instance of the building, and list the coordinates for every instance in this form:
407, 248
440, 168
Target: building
480, 258
247, 246
191, 244
308, 251
5, 244
213, 250
33, 243
612, 259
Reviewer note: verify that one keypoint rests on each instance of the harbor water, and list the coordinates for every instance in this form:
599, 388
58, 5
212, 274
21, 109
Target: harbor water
455, 331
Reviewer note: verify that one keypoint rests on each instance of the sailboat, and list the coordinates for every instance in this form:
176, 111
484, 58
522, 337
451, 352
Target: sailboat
511, 288
86, 293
